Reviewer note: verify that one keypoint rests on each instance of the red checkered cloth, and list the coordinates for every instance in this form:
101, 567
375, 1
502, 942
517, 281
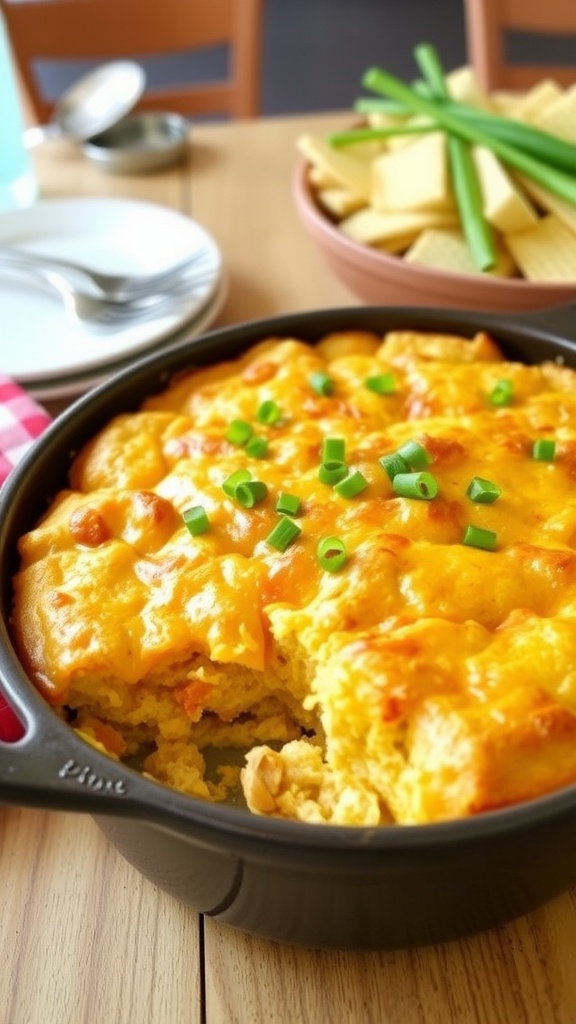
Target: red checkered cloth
21, 422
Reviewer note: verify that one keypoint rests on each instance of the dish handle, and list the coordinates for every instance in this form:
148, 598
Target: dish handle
45, 765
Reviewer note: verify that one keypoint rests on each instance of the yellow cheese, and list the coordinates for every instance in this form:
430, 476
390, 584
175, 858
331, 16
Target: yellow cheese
505, 206
559, 117
545, 252
463, 86
447, 249
414, 177
340, 202
349, 171
373, 227
533, 103
563, 210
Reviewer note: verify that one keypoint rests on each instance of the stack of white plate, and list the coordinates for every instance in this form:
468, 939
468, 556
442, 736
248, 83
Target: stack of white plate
52, 356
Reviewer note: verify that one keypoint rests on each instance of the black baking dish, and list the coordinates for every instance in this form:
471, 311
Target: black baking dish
326, 886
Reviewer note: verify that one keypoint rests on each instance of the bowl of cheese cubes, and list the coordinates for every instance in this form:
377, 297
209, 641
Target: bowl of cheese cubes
443, 195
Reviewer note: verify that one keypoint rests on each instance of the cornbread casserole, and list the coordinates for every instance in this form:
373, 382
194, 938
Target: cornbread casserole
404, 651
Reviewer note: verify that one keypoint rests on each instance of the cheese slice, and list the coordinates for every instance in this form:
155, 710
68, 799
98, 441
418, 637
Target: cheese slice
371, 227
531, 106
562, 209
351, 172
505, 206
447, 249
559, 117
463, 86
339, 202
414, 177
545, 252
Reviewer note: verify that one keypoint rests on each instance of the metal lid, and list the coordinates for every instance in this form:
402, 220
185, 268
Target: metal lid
100, 99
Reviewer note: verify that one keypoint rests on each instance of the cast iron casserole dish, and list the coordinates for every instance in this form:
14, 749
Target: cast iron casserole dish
325, 886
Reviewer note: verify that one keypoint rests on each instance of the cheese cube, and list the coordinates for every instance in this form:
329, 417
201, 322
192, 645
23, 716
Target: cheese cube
447, 249
372, 227
505, 206
339, 202
561, 208
533, 103
559, 118
349, 171
545, 252
414, 177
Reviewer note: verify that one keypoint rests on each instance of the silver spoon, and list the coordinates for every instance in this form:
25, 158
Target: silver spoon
96, 102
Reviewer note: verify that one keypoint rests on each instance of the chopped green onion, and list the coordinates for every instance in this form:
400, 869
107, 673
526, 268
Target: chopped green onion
268, 412
393, 464
284, 533
288, 504
231, 482
239, 432
321, 383
483, 491
196, 520
333, 450
351, 485
502, 392
257, 447
250, 493
415, 485
331, 553
381, 383
477, 537
414, 454
332, 473
544, 450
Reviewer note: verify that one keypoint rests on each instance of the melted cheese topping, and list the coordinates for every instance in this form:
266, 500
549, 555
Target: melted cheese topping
425, 680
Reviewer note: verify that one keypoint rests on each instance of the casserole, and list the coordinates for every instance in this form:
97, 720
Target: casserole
363, 887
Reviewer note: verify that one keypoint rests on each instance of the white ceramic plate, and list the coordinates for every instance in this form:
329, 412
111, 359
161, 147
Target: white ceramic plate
78, 384
39, 341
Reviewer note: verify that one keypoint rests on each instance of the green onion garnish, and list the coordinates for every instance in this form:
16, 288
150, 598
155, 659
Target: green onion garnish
268, 412
502, 393
381, 383
351, 485
544, 450
332, 473
288, 504
257, 447
284, 533
414, 454
196, 520
333, 449
321, 383
250, 493
477, 537
331, 553
231, 482
239, 432
483, 491
393, 464
415, 485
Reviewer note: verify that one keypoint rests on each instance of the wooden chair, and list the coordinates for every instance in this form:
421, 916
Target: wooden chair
488, 22
97, 31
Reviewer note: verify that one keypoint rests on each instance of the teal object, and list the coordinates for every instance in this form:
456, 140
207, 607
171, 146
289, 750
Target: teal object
18, 186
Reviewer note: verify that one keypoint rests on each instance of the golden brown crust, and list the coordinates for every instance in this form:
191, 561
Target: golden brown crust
425, 680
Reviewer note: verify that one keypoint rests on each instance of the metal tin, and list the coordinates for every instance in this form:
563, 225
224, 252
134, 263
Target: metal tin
139, 143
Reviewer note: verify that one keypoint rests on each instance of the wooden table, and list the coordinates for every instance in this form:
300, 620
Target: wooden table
84, 939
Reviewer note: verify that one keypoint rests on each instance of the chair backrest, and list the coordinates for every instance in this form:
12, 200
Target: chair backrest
489, 24
103, 30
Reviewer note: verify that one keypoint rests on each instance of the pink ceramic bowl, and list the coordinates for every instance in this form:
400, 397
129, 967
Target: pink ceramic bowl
381, 279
